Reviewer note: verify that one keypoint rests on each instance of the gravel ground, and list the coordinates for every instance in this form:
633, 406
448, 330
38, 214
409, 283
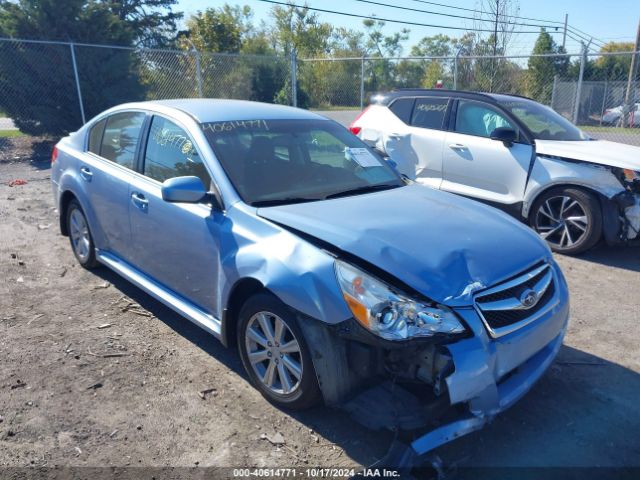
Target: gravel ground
94, 372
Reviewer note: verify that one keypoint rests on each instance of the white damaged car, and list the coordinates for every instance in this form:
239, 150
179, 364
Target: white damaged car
514, 154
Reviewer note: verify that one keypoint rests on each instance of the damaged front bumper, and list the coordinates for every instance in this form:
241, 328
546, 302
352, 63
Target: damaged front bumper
492, 374
466, 382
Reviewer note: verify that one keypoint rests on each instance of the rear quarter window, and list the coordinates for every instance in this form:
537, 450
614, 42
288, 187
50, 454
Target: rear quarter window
402, 107
95, 136
429, 113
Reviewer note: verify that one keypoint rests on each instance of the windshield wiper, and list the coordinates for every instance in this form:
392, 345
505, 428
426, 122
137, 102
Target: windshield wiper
283, 201
365, 189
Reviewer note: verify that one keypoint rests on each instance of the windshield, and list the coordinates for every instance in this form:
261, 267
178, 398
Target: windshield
544, 123
274, 162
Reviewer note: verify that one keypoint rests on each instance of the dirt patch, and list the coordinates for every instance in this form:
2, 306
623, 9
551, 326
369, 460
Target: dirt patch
25, 149
94, 372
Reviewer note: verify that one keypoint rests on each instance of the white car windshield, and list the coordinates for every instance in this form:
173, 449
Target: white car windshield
273, 162
543, 122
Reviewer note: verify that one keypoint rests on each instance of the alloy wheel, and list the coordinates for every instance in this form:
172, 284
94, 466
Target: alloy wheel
562, 221
79, 232
274, 353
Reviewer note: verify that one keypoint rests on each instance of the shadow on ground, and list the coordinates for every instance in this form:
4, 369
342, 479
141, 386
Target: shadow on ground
627, 258
583, 413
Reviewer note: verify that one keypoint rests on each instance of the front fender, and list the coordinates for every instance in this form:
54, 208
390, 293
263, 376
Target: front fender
549, 172
297, 272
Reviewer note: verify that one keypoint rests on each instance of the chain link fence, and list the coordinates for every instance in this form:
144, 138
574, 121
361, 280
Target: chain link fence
54, 87
597, 92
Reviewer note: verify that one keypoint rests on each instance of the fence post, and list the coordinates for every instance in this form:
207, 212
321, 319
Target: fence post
198, 72
294, 78
196, 54
455, 69
553, 91
362, 84
77, 78
604, 99
576, 107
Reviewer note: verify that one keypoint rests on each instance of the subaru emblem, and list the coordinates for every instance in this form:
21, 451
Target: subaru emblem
529, 298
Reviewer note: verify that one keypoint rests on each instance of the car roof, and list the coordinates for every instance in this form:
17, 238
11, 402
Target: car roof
386, 98
206, 110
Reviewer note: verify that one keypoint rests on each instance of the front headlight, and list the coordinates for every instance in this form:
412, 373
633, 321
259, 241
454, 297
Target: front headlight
389, 314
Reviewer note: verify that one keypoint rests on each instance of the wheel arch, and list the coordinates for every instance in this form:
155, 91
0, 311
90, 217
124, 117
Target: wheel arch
238, 294
528, 205
65, 199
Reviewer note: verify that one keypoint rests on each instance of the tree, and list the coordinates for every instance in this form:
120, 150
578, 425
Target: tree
614, 67
300, 29
217, 29
153, 22
229, 29
542, 69
380, 47
37, 85
427, 72
496, 17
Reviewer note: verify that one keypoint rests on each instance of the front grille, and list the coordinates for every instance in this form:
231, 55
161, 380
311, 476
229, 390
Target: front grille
502, 307
513, 291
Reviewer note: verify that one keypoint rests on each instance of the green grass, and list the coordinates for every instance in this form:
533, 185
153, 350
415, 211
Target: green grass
10, 133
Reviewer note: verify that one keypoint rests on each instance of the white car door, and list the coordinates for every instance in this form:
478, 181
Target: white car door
416, 143
479, 167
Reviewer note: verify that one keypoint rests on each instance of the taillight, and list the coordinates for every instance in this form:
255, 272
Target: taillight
54, 155
352, 128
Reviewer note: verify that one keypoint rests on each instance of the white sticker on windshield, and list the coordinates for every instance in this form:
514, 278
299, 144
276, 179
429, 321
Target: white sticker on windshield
363, 157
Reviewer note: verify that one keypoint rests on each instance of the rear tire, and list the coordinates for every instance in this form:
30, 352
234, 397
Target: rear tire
275, 354
569, 219
80, 236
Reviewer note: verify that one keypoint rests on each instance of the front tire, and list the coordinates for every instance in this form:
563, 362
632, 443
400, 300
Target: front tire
80, 236
275, 354
569, 219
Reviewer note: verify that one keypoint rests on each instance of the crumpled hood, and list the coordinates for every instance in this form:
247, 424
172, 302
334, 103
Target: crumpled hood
440, 244
602, 152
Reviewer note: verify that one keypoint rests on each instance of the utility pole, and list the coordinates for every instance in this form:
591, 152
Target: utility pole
495, 46
495, 29
564, 32
629, 99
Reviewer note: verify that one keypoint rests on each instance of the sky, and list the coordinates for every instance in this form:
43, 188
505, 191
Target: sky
605, 20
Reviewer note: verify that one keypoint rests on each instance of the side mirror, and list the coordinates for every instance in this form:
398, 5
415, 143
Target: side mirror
505, 135
183, 190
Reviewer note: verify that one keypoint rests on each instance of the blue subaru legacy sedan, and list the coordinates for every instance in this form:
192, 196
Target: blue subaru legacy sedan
279, 232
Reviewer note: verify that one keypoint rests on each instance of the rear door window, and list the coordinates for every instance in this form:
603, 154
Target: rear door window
120, 138
429, 113
402, 108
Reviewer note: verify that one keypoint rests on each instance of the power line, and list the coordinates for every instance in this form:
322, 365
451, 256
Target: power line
585, 36
484, 13
453, 15
389, 20
580, 31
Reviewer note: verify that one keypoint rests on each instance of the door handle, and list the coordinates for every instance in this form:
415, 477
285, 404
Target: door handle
457, 146
86, 173
139, 201
394, 136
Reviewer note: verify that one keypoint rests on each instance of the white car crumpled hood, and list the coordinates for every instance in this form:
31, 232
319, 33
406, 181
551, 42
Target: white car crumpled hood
601, 152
